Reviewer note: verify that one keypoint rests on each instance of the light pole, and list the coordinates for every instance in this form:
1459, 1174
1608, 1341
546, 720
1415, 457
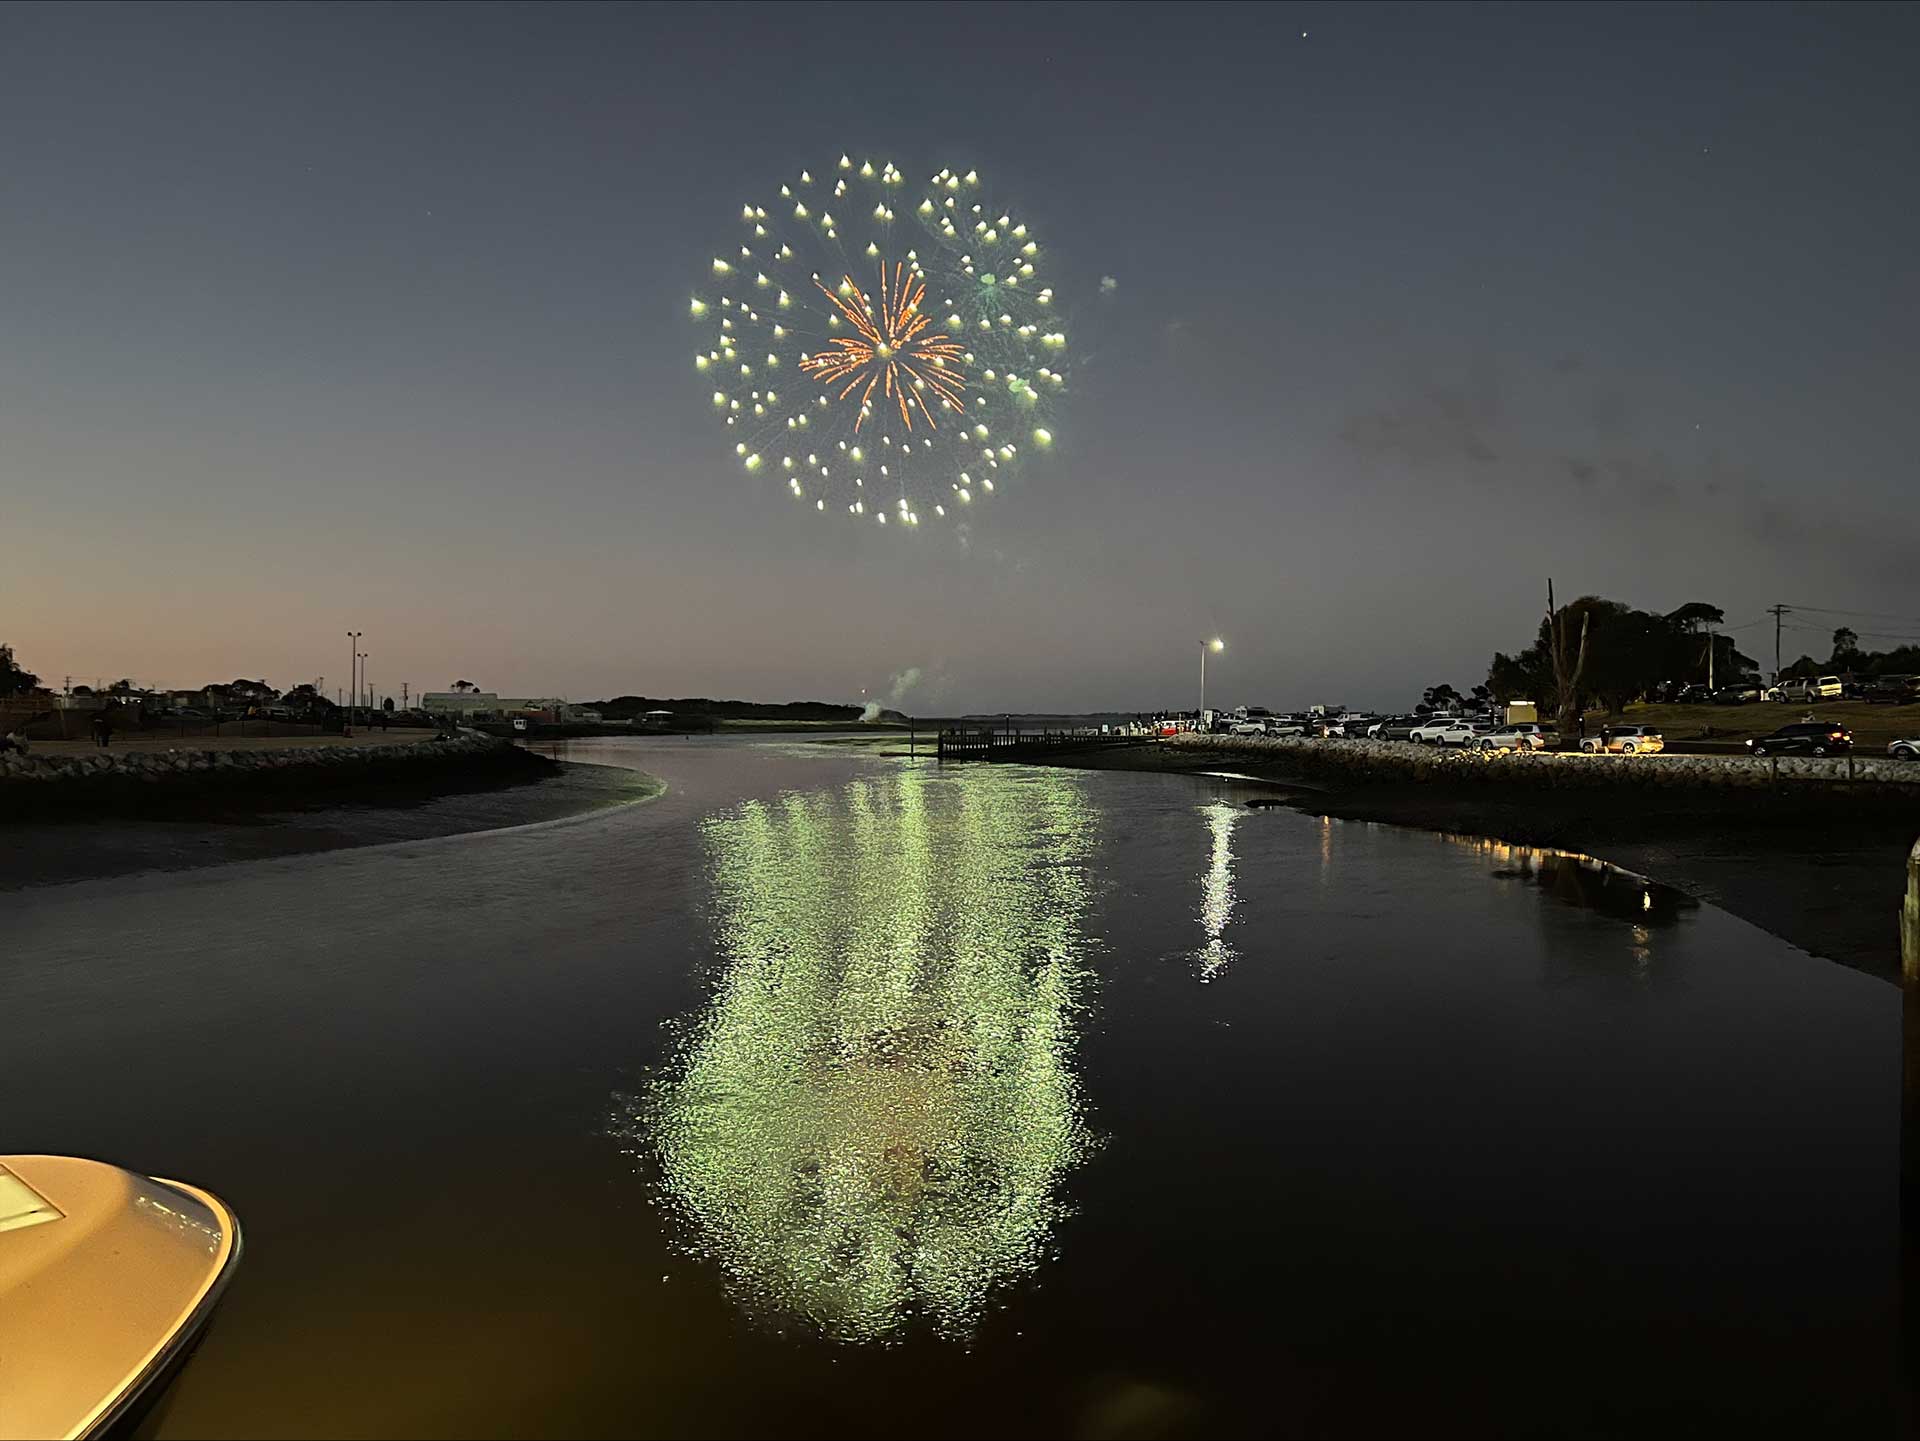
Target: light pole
1216, 644
353, 672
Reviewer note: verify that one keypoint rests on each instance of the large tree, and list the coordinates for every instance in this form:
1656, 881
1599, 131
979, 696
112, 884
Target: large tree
1697, 615
1846, 650
1595, 649
15, 679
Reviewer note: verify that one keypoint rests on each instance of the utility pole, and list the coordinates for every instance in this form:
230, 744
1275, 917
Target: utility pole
1777, 611
353, 678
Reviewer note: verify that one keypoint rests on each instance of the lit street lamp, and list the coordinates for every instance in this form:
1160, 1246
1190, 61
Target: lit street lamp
1216, 645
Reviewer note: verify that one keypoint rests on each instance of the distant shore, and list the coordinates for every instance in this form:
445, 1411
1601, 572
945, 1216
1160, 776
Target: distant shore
1829, 882
182, 826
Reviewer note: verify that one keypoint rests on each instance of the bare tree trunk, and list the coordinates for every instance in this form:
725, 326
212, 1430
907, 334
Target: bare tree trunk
1566, 673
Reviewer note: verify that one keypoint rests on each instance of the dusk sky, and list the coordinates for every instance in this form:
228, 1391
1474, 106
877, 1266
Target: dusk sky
317, 319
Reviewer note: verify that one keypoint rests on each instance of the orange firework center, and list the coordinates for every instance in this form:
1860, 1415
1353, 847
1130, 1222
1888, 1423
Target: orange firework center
894, 352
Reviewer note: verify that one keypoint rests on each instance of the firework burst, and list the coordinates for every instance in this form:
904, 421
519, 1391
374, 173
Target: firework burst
925, 354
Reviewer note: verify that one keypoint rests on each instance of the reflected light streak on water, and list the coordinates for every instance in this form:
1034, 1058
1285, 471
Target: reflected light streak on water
1216, 892
868, 1124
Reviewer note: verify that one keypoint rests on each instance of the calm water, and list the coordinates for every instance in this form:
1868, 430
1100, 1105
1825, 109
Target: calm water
832, 1095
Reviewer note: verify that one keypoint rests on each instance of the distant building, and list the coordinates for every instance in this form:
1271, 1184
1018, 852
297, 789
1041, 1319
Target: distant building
464, 703
486, 705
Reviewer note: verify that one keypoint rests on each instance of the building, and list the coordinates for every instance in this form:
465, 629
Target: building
486, 705
467, 704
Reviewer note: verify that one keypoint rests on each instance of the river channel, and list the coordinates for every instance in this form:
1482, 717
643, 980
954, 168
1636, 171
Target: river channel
834, 1094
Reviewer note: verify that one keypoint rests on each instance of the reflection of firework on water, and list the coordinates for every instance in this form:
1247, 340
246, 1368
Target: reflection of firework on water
925, 352
868, 1125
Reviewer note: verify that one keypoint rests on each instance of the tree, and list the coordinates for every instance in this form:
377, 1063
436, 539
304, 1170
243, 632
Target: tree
15, 679
1619, 655
1696, 615
1846, 649
1569, 665
1806, 666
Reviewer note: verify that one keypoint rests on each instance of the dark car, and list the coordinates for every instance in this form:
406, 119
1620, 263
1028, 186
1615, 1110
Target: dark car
1817, 738
1739, 693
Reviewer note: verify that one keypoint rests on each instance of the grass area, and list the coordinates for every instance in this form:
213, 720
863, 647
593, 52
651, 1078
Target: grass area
1872, 725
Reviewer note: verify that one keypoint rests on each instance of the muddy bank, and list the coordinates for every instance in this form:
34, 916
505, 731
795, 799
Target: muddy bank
1824, 877
218, 829
181, 783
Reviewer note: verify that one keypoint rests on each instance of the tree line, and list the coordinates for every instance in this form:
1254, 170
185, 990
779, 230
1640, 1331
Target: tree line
1600, 653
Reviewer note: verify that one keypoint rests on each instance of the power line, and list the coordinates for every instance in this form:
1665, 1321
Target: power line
1858, 634
1864, 614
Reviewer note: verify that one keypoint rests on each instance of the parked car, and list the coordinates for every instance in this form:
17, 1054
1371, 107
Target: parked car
1817, 738
1905, 750
1802, 688
1625, 741
1739, 693
1510, 738
1428, 731
1533, 733
1456, 732
1893, 690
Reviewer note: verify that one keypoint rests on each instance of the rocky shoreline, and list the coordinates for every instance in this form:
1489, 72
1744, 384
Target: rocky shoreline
1814, 859
1787, 779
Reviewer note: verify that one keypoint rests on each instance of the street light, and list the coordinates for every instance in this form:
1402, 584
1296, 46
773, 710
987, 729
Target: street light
1216, 645
353, 679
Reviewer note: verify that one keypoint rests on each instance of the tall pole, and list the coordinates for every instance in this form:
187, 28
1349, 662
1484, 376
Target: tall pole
1206, 645
1778, 612
353, 679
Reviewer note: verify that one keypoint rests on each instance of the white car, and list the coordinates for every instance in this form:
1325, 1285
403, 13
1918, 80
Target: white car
1511, 738
1449, 732
1905, 750
1427, 733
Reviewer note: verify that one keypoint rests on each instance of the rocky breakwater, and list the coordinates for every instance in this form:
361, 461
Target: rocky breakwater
191, 780
1865, 781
